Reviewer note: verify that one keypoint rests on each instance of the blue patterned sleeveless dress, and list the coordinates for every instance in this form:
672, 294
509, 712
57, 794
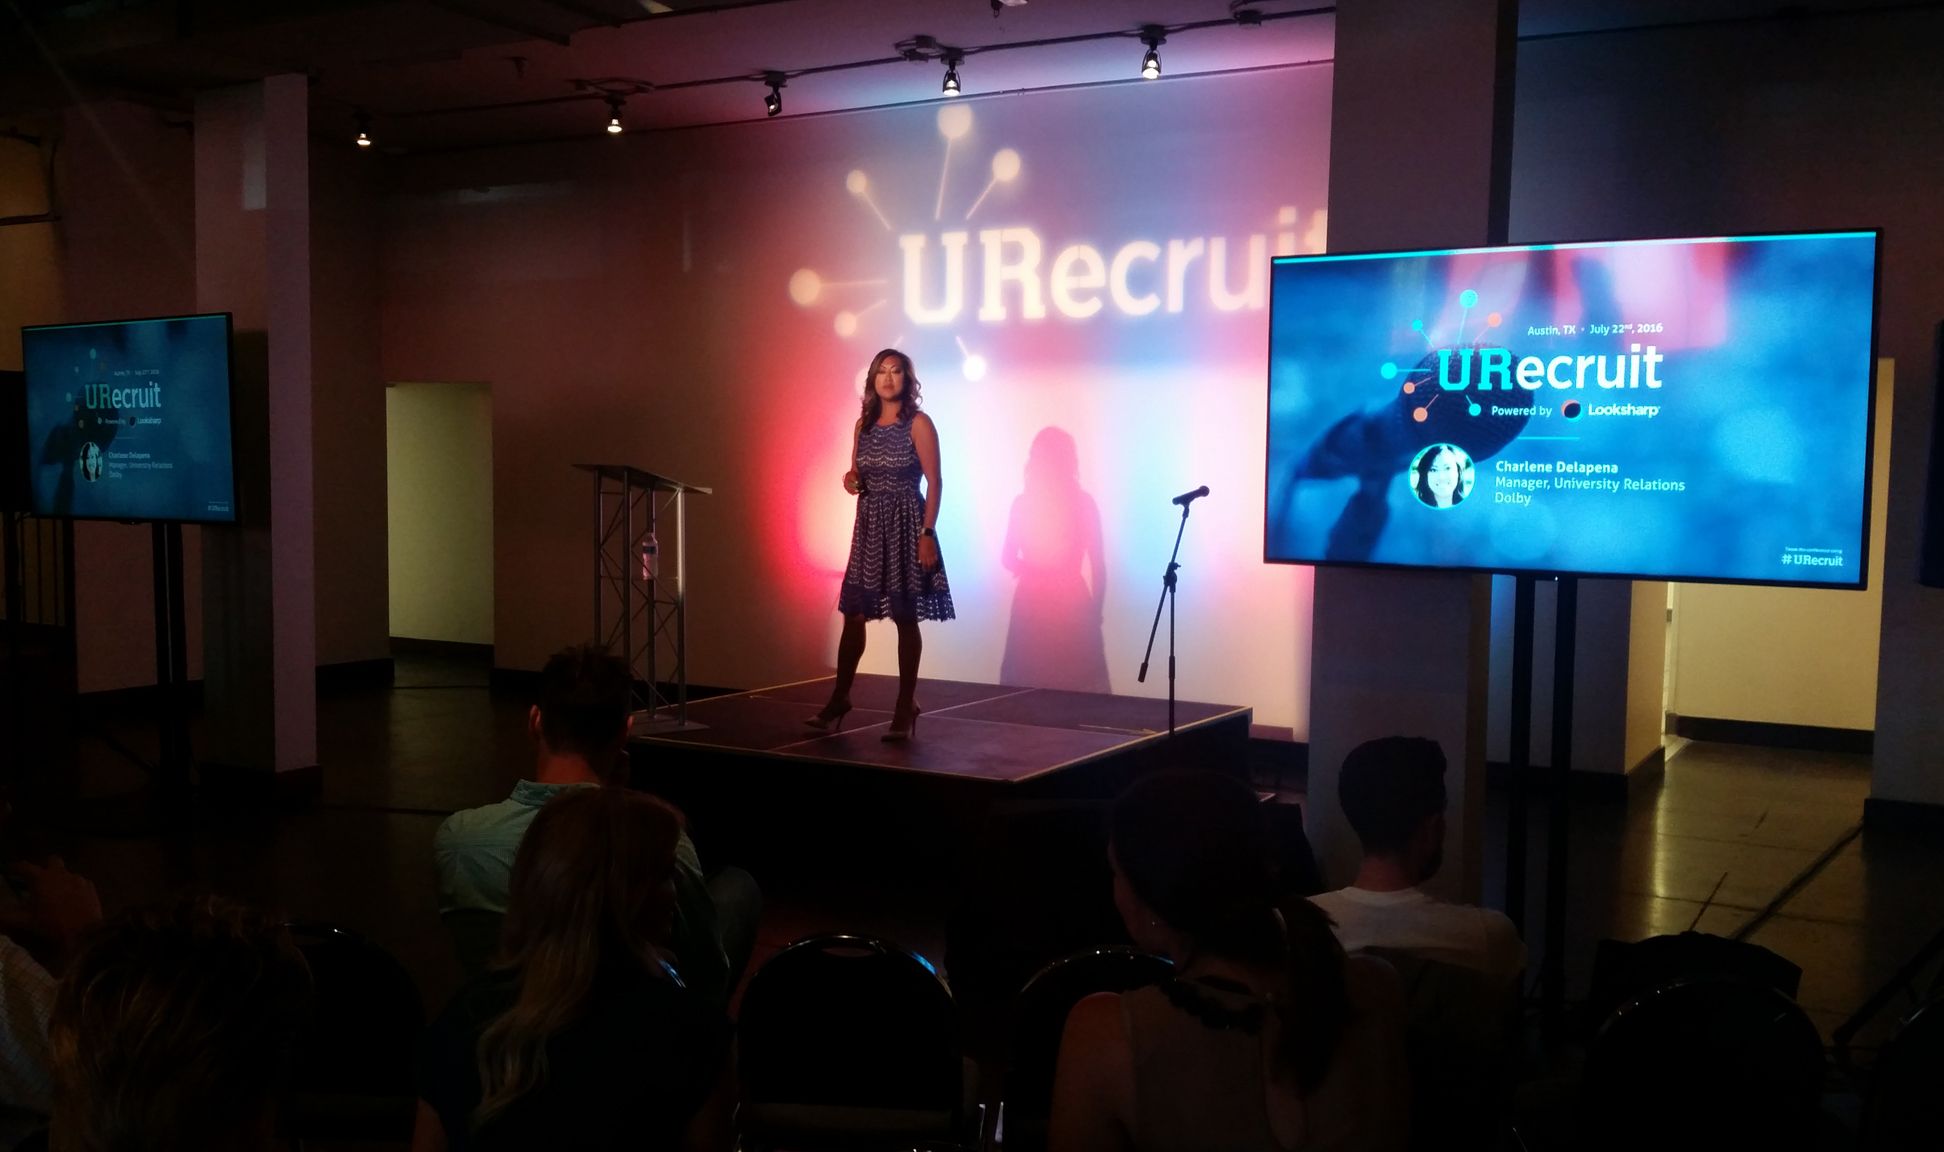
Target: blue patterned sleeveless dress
884, 577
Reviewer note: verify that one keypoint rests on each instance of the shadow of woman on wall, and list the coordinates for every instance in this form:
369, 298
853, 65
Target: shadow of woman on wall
1053, 549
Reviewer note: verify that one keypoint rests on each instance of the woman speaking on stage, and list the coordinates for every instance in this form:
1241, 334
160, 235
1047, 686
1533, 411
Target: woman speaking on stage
894, 567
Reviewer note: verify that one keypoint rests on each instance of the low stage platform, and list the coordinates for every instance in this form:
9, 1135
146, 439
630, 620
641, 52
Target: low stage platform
971, 732
749, 773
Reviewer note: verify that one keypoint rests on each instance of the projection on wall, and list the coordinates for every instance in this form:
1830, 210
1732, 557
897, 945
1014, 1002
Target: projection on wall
1082, 280
1081, 277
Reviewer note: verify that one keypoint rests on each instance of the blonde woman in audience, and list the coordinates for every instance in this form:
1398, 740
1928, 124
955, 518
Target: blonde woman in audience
173, 1032
1266, 1039
580, 1036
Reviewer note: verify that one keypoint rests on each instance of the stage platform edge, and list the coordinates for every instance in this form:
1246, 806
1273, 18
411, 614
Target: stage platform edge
756, 783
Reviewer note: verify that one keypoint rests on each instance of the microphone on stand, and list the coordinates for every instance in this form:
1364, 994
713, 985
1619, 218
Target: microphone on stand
1187, 498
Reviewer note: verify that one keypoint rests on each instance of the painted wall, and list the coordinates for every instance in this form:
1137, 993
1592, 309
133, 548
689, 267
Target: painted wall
1079, 276
439, 476
1788, 655
30, 286
30, 290
126, 188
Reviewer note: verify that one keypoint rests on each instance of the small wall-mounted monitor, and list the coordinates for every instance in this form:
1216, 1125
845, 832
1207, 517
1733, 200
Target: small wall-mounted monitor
1695, 409
130, 420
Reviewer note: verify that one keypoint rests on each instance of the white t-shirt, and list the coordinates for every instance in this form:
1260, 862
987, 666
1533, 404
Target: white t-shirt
1410, 921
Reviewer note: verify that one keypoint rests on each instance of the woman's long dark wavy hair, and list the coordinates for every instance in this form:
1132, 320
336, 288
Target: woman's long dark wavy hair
591, 897
874, 407
1194, 846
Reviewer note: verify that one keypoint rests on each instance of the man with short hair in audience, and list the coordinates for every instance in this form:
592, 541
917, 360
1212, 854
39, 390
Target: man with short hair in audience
579, 731
1393, 793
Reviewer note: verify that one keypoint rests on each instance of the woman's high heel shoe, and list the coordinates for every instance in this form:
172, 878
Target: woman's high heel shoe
831, 719
904, 725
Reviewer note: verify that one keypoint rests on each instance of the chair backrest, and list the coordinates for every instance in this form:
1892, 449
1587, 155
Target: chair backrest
1462, 1041
1905, 1105
1039, 1020
1037, 886
1710, 1062
474, 933
849, 1022
1623, 969
364, 1031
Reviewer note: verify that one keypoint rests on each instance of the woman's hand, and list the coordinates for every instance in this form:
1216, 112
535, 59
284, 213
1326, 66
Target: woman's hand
927, 553
852, 484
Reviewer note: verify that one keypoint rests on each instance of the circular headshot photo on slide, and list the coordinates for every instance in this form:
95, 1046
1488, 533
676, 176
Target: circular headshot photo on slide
1441, 476
91, 461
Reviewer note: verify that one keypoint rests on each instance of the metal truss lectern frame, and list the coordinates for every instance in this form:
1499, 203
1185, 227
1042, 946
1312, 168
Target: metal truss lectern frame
639, 610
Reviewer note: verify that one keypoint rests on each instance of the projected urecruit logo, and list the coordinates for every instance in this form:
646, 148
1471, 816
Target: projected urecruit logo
1140, 278
1479, 367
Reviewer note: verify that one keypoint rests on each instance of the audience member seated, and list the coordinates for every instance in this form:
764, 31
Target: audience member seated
579, 1037
56, 908
1393, 793
579, 729
173, 1032
1267, 1037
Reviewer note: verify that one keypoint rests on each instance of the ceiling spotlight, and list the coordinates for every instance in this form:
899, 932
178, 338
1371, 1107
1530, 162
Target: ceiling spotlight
1152, 35
952, 62
615, 100
773, 103
363, 139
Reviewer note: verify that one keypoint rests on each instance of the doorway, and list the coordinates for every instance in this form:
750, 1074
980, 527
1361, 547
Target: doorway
439, 509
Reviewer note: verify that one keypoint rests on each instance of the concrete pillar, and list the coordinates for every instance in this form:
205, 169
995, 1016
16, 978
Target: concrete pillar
253, 260
1617, 681
1420, 151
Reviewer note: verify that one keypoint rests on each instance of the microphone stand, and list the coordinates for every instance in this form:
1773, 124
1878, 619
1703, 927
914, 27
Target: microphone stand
1167, 599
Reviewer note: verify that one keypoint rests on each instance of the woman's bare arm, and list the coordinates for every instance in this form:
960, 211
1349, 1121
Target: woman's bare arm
428, 1134
1093, 1086
924, 438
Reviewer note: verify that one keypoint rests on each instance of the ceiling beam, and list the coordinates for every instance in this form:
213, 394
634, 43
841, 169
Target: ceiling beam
587, 12
473, 10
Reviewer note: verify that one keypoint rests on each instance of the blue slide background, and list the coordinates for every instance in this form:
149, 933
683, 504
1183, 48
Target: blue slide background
1763, 417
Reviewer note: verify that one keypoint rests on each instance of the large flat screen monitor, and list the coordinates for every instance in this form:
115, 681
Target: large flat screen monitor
1695, 409
130, 420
